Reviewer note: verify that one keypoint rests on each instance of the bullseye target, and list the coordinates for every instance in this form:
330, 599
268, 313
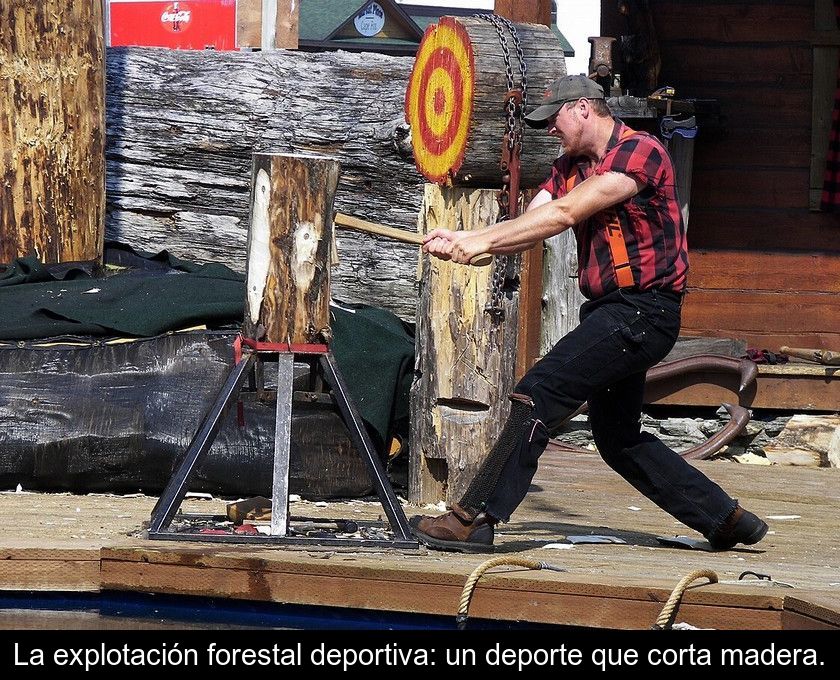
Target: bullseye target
439, 100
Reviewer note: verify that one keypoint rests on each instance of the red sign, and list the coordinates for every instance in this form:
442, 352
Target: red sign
190, 25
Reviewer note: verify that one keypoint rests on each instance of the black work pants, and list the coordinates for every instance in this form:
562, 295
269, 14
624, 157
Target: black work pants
604, 361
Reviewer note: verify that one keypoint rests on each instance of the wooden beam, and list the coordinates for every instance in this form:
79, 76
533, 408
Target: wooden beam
37, 567
268, 24
286, 24
248, 23
825, 57
531, 288
368, 584
797, 387
530, 309
534, 12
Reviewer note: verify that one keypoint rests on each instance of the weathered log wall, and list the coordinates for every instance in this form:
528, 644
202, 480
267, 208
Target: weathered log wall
182, 126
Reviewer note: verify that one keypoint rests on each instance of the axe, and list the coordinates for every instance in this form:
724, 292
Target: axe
350, 222
820, 356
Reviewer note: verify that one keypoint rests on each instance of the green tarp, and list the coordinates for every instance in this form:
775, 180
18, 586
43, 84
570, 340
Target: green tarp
155, 294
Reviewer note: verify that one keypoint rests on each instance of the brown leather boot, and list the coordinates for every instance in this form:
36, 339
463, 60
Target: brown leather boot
456, 530
741, 526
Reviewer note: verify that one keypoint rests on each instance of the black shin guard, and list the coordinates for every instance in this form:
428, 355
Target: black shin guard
484, 483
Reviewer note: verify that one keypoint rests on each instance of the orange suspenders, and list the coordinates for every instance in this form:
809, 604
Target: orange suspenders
618, 246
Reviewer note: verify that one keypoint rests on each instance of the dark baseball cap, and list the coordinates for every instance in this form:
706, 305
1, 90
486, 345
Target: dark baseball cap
561, 91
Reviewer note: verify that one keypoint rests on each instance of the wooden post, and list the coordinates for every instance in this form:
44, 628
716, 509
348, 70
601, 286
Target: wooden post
52, 130
464, 360
531, 302
533, 12
289, 246
286, 24
561, 292
248, 23
267, 24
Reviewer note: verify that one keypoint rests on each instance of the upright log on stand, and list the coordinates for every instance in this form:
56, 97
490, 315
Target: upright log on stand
289, 246
52, 130
288, 281
466, 357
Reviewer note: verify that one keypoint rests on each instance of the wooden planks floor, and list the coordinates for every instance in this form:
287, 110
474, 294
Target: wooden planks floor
65, 542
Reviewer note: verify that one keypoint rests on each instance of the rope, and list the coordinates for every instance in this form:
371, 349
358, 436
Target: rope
478, 572
663, 622
669, 611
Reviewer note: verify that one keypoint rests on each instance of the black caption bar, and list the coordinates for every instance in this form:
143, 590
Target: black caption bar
353, 651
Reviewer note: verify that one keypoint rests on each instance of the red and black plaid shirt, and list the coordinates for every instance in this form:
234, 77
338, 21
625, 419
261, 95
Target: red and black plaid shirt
651, 221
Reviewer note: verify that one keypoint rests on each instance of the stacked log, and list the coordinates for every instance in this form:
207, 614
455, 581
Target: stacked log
182, 127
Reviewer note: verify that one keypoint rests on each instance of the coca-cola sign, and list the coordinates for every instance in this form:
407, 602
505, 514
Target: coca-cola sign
176, 17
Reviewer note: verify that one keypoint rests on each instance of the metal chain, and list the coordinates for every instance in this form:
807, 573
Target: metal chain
520, 56
513, 128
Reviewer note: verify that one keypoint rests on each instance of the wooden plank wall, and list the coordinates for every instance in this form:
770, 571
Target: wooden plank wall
764, 268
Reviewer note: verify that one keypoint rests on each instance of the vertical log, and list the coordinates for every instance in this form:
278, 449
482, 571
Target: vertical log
267, 24
289, 246
248, 23
530, 306
562, 297
52, 130
533, 12
287, 32
465, 361
531, 302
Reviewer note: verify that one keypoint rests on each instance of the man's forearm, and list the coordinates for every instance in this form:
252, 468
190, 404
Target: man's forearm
528, 229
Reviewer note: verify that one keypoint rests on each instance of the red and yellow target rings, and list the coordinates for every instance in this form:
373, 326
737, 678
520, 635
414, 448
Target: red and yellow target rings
439, 100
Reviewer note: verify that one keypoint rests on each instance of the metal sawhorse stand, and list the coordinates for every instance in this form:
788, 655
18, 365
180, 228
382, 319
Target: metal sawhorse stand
250, 365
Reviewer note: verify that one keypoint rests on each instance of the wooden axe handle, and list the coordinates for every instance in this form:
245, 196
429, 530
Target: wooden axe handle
350, 222
820, 356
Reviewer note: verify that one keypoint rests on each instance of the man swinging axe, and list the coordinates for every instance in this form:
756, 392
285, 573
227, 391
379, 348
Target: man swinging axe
615, 188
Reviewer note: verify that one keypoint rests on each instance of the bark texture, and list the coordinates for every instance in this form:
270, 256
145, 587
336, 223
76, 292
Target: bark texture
465, 360
182, 127
52, 128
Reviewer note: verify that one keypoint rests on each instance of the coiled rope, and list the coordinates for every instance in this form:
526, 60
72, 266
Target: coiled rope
478, 572
663, 622
669, 611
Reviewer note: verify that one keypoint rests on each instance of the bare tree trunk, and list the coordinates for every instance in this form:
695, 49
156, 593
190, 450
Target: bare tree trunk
52, 130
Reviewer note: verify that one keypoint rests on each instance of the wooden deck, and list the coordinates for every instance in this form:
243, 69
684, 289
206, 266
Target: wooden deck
60, 542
